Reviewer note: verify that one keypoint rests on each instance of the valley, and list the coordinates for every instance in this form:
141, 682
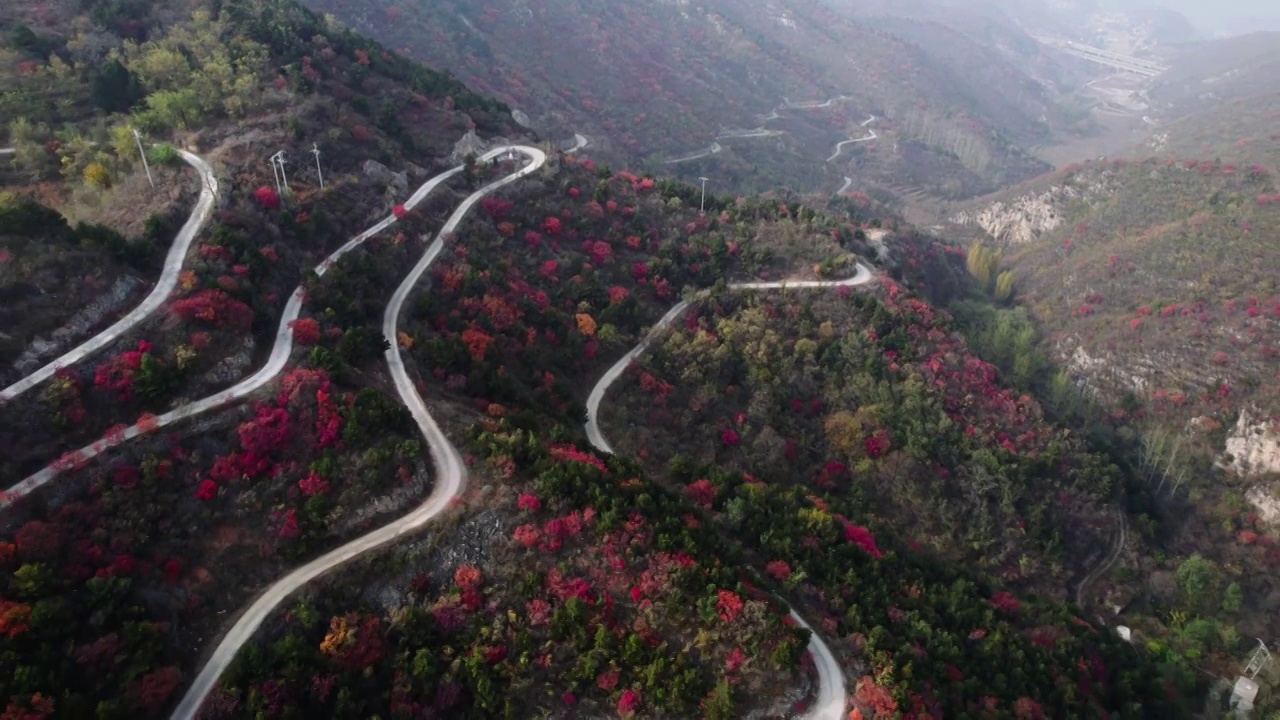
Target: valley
660, 360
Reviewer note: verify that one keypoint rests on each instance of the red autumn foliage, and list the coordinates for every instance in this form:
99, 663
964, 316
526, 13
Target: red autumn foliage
629, 703
862, 537
1005, 601
528, 501
207, 491
289, 525
399, 211
702, 493
313, 484
267, 198
15, 618
468, 576
216, 308
306, 331
877, 445
729, 606
875, 697
477, 342
779, 569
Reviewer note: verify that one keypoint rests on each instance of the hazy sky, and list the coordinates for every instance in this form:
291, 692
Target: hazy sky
1233, 16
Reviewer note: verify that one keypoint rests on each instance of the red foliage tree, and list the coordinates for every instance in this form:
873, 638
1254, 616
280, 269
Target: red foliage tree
477, 342
862, 537
779, 569
728, 605
306, 331
207, 491
1005, 601
702, 493
216, 308
38, 541
629, 703
267, 198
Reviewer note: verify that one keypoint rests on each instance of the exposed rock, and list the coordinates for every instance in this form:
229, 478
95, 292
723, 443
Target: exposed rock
232, 367
1263, 498
379, 173
522, 119
1023, 219
398, 500
470, 144
105, 305
1254, 446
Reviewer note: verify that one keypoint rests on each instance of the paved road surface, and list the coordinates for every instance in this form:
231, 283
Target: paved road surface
168, 280
451, 472
280, 352
830, 703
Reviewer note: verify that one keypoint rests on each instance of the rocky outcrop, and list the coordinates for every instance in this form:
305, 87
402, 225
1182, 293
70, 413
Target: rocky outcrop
1253, 448
1023, 219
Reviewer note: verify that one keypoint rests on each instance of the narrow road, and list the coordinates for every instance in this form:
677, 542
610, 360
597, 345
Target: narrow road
7, 151
840, 145
451, 472
759, 132
814, 105
1122, 536
715, 148
168, 280
847, 182
830, 703
280, 352
580, 141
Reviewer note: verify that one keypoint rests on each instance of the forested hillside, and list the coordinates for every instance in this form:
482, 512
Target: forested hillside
341, 469
661, 81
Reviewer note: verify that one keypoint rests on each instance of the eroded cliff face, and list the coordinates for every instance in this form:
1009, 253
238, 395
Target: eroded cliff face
1022, 219
1253, 448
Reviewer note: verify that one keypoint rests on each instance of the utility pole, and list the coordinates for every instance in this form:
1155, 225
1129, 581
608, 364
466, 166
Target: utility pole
284, 179
275, 171
137, 136
702, 207
315, 150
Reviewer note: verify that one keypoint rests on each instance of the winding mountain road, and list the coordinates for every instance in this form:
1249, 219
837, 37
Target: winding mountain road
1122, 536
847, 182
759, 132
580, 142
7, 151
830, 703
715, 148
814, 105
280, 352
840, 145
451, 471
168, 280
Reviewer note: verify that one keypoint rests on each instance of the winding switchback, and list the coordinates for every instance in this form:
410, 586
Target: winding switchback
451, 472
840, 145
847, 182
830, 703
168, 280
815, 104
715, 148
1122, 536
280, 352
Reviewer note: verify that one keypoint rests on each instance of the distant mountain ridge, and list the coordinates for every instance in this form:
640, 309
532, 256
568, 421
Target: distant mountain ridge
657, 81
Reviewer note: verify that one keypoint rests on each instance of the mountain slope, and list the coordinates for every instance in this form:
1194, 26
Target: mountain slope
662, 79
